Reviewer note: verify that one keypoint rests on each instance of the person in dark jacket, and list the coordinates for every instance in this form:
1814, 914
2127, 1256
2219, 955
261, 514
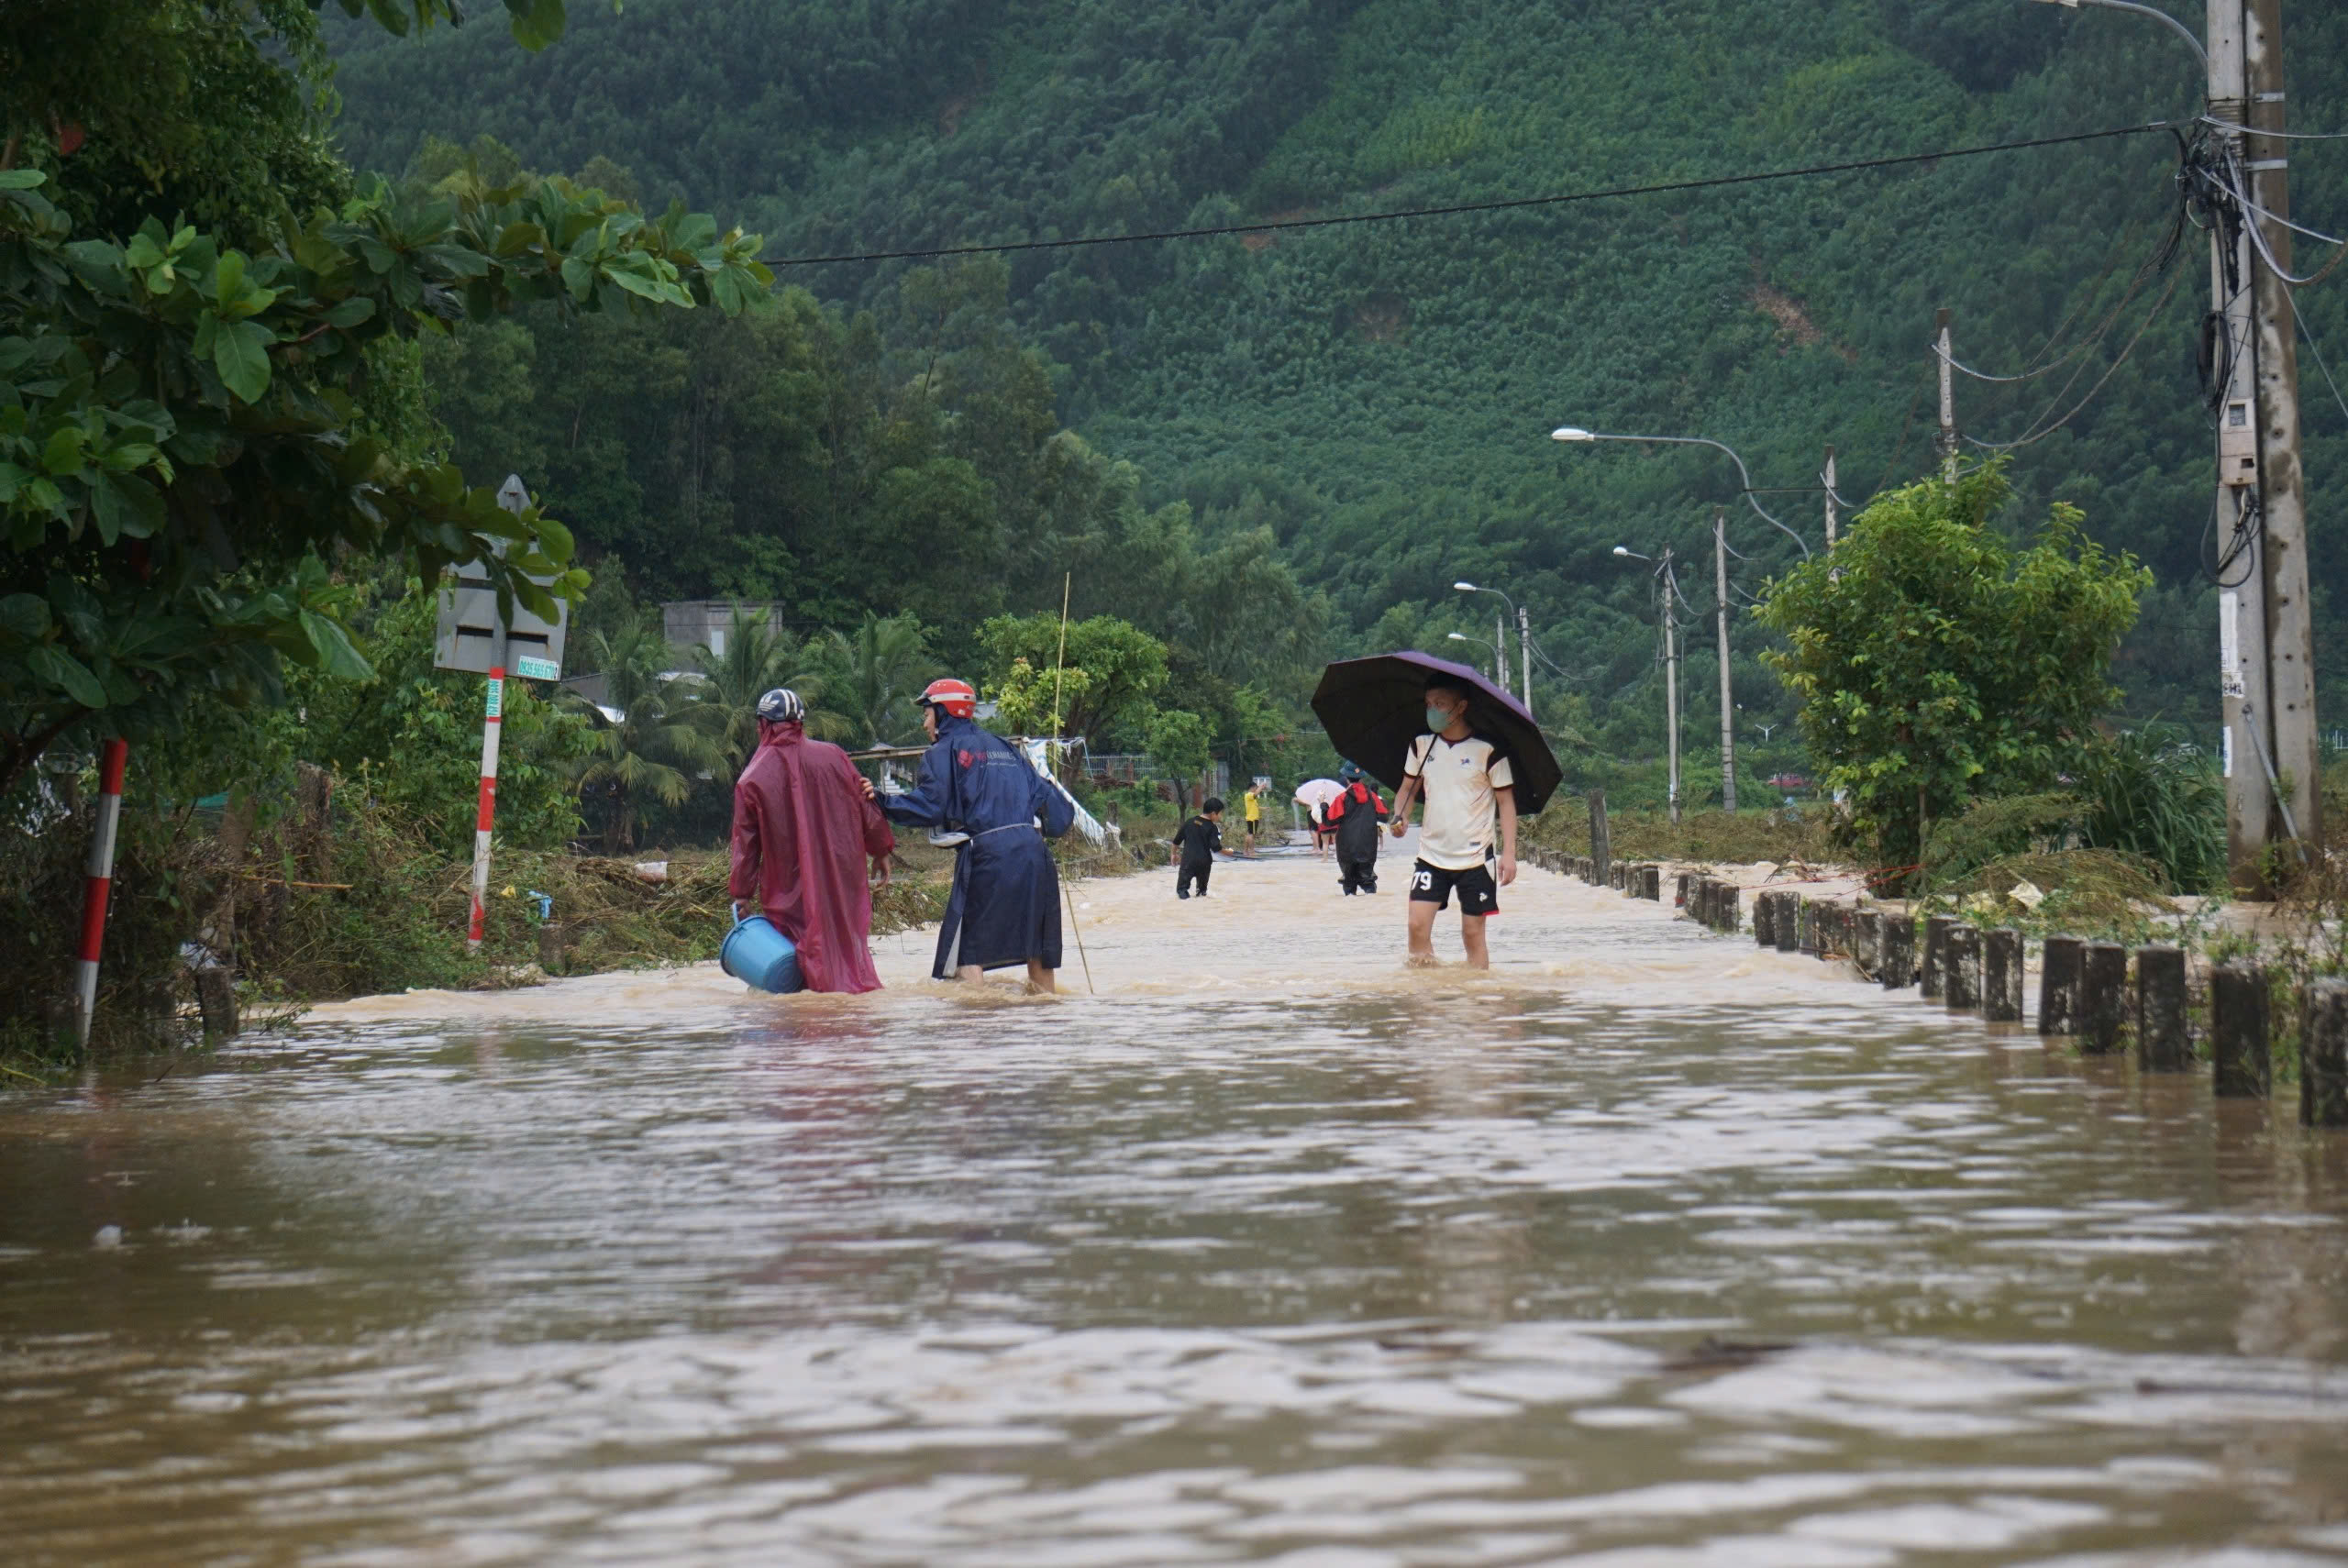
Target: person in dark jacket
1357, 814
1005, 906
1200, 840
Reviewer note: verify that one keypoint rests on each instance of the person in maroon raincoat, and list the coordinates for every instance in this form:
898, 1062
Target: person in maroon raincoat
804, 832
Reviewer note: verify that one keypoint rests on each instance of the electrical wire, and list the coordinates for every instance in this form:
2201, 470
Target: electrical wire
1670, 187
2228, 176
2284, 135
2317, 349
2036, 433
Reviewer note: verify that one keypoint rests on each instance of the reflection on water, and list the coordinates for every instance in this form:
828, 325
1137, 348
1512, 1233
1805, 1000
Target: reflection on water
1646, 1250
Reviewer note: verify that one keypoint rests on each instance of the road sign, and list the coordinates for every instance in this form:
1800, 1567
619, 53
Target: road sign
467, 636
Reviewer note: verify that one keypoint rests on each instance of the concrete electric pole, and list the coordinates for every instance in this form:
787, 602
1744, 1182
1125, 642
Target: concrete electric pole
1524, 659
1833, 516
1948, 398
1670, 681
2290, 713
2265, 640
1728, 705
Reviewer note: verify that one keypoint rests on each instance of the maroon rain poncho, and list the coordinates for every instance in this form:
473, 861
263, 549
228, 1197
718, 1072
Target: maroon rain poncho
803, 833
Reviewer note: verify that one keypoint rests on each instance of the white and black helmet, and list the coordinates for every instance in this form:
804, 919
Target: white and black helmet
781, 706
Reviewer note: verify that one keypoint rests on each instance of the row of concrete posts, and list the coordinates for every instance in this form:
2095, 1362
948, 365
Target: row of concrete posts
2098, 993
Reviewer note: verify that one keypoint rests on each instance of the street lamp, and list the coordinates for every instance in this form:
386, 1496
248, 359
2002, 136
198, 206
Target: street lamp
1523, 642
1670, 664
1576, 434
2179, 27
1500, 658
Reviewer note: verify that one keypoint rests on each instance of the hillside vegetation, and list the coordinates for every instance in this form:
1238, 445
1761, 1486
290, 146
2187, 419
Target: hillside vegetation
1375, 399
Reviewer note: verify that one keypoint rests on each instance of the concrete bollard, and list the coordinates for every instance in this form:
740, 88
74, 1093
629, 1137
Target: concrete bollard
2059, 986
2163, 1044
2103, 996
2238, 1032
2001, 975
1866, 942
1789, 922
1831, 942
551, 945
1764, 919
1680, 883
2323, 1056
1732, 909
1961, 968
1934, 973
1651, 885
1896, 968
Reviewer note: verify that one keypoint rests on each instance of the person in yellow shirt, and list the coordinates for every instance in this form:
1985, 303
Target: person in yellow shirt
1252, 804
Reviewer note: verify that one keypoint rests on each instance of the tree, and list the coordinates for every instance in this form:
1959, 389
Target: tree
651, 738
1124, 667
1179, 744
1936, 662
872, 678
1031, 702
184, 451
759, 658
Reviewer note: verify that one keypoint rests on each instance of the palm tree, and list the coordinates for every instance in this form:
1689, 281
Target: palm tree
873, 676
756, 659
652, 738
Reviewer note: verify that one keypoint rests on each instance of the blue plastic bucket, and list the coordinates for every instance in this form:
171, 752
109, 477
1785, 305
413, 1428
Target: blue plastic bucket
760, 957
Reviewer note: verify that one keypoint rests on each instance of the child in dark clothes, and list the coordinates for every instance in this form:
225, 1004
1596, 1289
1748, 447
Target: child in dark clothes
1200, 840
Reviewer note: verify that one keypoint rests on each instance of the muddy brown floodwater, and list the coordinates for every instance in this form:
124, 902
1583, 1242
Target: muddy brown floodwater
1647, 1249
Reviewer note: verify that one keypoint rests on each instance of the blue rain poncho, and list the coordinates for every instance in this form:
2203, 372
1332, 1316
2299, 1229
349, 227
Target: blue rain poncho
1005, 907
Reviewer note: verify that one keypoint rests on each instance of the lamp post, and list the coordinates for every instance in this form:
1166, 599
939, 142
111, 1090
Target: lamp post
1575, 435
1499, 657
1523, 642
1670, 663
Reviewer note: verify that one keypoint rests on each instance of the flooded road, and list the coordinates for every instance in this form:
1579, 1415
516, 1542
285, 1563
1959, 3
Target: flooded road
1649, 1248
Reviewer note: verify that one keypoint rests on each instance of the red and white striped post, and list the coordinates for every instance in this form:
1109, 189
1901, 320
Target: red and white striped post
112, 761
488, 793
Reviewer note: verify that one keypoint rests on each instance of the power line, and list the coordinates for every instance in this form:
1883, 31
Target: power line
2317, 349
1462, 209
2285, 135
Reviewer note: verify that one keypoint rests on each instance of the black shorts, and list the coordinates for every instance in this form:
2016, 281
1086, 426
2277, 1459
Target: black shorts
1478, 894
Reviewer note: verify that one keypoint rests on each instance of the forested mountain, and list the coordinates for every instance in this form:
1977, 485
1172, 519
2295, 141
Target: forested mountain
1377, 397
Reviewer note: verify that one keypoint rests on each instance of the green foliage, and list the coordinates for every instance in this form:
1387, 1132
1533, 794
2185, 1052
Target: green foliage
1121, 669
190, 403
1029, 702
408, 736
661, 740
873, 675
2146, 793
757, 659
1377, 396
1179, 744
1936, 662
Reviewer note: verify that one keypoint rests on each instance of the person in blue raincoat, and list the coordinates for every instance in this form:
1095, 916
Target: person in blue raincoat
1005, 907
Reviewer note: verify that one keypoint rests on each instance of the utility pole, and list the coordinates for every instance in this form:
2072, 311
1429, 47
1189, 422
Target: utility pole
1670, 681
1500, 647
2290, 712
1525, 657
1831, 515
1948, 399
1728, 707
2241, 599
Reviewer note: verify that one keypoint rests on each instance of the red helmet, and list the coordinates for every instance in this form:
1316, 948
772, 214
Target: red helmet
955, 696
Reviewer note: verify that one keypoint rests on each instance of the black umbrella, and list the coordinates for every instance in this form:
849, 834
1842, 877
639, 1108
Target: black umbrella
1374, 708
